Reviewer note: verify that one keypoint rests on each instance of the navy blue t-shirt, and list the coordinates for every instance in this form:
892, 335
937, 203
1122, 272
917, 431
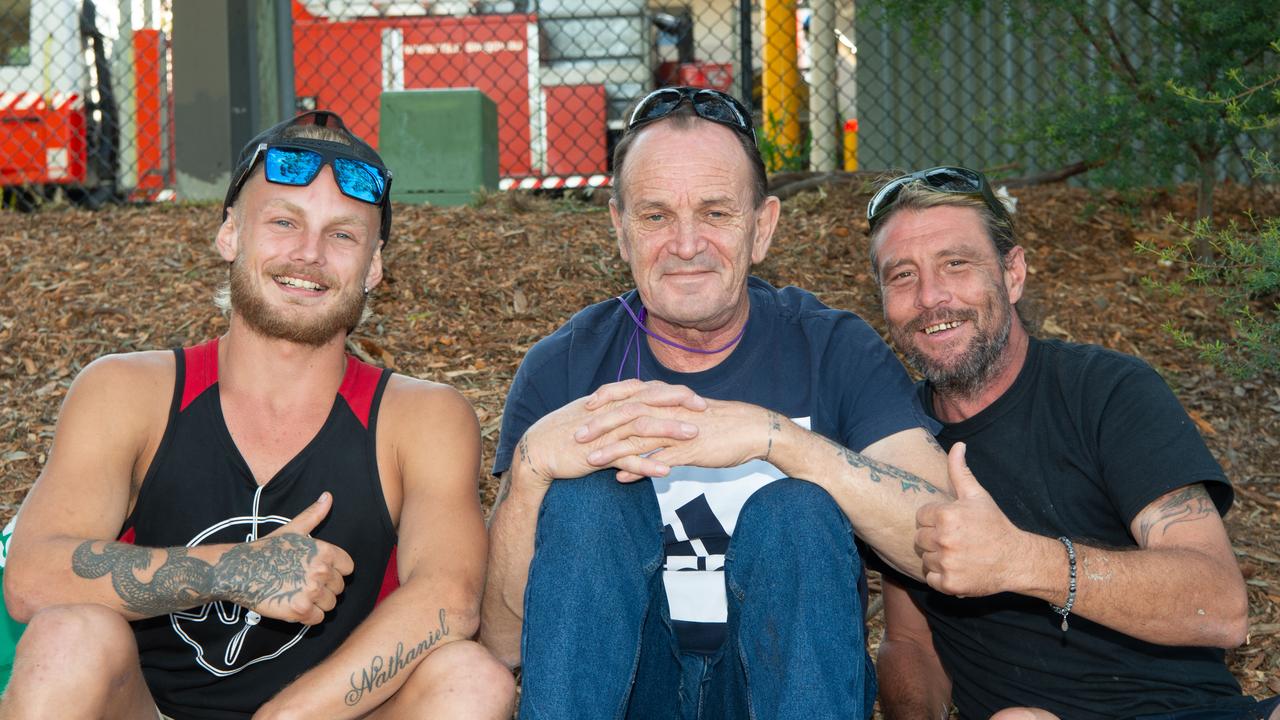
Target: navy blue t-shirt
825, 369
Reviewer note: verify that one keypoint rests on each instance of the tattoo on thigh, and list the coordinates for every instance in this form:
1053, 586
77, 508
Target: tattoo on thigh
382, 669
879, 471
1184, 505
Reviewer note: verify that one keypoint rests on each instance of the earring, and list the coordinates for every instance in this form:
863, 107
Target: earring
366, 290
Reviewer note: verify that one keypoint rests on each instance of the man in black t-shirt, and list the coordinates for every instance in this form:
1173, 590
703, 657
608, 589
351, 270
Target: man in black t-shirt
1088, 575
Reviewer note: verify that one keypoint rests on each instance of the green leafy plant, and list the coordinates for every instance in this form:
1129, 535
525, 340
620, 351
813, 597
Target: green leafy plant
1120, 70
1243, 276
1242, 271
779, 156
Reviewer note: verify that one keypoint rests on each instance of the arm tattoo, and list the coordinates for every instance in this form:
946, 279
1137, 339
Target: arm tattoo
1184, 505
270, 570
933, 443
775, 425
879, 471
180, 581
504, 489
381, 670
523, 449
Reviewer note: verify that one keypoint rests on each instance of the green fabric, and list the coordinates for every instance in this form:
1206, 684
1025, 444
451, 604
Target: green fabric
10, 629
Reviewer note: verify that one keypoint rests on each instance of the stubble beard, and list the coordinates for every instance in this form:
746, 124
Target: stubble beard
965, 374
677, 313
265, 320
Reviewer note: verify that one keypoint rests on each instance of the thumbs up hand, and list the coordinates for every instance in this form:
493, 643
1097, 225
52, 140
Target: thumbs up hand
968, 546
287, 575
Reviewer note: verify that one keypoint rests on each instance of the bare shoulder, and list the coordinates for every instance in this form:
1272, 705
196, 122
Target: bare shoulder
127, 380
111, 422
125, 366
423, 401
433, 417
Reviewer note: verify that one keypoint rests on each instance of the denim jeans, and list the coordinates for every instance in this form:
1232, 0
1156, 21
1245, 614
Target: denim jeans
598, 642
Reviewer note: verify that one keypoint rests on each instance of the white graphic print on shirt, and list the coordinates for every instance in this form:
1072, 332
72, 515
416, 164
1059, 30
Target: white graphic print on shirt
700, 508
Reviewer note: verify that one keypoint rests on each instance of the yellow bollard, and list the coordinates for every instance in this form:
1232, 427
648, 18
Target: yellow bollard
781, 83
851, 144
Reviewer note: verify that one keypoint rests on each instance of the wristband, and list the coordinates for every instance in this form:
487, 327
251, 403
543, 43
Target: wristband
1065, 610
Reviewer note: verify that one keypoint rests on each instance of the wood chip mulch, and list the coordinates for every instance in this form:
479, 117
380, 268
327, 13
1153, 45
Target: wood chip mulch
469, 290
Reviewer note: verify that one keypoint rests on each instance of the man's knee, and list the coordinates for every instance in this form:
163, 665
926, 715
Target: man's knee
86, 635
620, 520
585, 504
462, 674
81, 660
792, 514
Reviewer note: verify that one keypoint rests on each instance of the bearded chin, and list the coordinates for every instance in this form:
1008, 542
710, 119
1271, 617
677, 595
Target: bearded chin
267, 321
966, 374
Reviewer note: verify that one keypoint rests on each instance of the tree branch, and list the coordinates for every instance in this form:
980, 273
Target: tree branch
1052, 176
1122, 56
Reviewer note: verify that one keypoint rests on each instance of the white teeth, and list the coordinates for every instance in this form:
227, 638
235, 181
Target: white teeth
940, 327
298, 282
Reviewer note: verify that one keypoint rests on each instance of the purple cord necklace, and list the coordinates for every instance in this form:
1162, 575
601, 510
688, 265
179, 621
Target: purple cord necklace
634, 339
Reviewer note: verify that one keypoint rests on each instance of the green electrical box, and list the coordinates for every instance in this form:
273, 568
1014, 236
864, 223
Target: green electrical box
441, 145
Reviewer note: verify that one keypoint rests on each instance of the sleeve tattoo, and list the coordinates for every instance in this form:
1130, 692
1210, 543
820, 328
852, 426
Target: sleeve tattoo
878, 471
270, 571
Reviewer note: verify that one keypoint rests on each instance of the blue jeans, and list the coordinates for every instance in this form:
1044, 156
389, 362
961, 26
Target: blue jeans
598, 641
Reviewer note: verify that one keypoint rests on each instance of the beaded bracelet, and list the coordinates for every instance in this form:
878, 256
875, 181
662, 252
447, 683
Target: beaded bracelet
1065, 610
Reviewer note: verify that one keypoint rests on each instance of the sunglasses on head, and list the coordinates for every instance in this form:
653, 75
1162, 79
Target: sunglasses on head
710, 105
286, 164
947, 179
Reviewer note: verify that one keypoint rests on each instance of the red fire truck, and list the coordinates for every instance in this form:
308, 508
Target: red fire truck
87, 113
560, 78
62, 104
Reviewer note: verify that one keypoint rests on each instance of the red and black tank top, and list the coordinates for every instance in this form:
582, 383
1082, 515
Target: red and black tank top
221, 661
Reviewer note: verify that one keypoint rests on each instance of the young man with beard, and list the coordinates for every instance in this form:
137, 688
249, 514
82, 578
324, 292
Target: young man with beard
216, 524
1087, 574
670, 540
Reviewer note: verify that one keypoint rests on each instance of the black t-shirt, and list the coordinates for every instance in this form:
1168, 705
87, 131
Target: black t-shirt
1078, 446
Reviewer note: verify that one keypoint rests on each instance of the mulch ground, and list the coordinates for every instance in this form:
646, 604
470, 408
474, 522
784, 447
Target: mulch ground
469, 290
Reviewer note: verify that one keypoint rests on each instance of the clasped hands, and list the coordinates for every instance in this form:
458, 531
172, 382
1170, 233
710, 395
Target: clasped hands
643, 429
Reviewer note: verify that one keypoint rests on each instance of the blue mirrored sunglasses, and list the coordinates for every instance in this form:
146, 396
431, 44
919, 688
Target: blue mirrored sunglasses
298, 166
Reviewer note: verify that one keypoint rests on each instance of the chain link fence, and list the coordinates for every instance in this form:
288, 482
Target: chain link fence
86, 89
85, 100
87, 108
561, 72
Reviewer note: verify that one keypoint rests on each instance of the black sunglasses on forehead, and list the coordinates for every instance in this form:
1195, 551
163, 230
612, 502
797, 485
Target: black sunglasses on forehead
947, 179
710, 105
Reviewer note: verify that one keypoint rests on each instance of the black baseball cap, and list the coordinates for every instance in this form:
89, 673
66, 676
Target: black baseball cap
358, 185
